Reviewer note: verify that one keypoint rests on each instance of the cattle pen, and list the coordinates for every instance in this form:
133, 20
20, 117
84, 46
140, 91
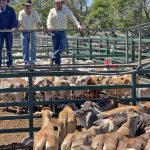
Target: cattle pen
128, 50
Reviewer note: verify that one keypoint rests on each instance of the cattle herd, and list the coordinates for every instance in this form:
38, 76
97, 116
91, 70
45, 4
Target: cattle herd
122, 128
105, 124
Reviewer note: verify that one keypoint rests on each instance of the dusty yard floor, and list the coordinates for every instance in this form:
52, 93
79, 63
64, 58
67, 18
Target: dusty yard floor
12, 141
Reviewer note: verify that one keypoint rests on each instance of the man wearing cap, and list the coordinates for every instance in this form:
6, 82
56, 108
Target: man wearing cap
8, 21
28, 19
58, 19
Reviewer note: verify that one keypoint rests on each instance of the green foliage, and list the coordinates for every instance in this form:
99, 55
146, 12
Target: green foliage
101, 14
118, 13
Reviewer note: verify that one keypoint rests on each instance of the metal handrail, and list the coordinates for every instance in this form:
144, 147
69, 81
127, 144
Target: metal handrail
85, 29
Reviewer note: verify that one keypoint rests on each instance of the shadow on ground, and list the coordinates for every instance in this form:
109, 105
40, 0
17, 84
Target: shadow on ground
15, 146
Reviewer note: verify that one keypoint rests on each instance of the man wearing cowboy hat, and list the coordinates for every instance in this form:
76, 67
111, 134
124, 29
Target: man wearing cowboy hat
8, 21
58, 19
28, 19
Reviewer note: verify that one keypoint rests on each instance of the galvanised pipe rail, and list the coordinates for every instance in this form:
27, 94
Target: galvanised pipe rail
94, 49
6, 90
77, 56
84, 29
14, 117
31, 104
88, 87
7, 104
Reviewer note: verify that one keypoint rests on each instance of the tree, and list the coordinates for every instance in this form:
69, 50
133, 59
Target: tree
99, 15
118, 13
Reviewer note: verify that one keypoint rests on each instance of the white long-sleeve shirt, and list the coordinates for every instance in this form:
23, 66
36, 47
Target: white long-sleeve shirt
59, 19
29, 22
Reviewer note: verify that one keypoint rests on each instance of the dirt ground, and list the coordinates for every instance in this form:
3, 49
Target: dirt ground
13, 141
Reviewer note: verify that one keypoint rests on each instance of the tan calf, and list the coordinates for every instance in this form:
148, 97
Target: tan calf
61, 94
117, 80
145, 107
14, 96
147, 147
116, 111
137, 143
67, 123
109, 141
86, 137
45, 138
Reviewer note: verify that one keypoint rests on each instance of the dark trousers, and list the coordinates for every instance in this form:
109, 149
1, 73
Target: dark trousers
59, 41
7, 36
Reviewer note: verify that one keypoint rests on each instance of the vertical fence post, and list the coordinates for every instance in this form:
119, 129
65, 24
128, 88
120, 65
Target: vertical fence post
133, 50
67, 51
139, 49
127, 46
90, 46
107, 45
134, 88
47, 41
73, 59
77, 47
30, 100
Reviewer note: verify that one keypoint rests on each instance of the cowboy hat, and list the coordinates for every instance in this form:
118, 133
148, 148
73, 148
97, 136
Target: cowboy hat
58, 1
28, 3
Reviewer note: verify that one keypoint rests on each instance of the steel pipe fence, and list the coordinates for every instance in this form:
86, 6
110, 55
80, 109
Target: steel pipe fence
127, 41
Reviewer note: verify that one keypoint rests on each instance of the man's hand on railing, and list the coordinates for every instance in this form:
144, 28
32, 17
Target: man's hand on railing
14, 29
79, 27
20, 29
50, 29
41, 28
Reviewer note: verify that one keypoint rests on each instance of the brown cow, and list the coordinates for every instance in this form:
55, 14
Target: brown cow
137, 143
86, 137
45, 138
109, 141
67, 123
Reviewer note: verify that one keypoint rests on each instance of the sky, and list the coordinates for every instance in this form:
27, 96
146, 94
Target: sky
89, 2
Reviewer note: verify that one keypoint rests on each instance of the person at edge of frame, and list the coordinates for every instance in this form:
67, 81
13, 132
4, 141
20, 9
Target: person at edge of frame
28, 20
58, 19
8, 21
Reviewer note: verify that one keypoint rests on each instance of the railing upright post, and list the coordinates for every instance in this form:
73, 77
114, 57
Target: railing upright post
67, 51
107, 45
139, 48
90, 46
134, 84
47, 40
73, 58
77, 46
133, 50
127, 46
30, 100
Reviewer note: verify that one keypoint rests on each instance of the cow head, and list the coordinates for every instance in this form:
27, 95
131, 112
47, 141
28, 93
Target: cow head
87, 116
133, 121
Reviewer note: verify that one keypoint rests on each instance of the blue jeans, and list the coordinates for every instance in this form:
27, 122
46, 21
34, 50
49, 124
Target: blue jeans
29, 55
59, 41
7, 36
